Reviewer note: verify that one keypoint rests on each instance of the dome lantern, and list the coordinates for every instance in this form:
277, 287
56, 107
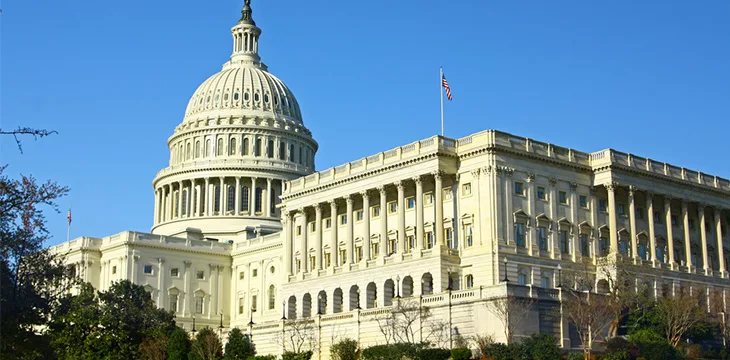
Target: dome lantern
246, 39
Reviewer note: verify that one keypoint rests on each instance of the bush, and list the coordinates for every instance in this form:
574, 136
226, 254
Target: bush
618, 349
262, 357
541, 347
290, 355
346, 349
460, 353
483, 341
391, 352
574, 356
501, 351
652, 346
433, 354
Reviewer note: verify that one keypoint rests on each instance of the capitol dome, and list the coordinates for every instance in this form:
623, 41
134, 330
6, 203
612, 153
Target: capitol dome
241, 139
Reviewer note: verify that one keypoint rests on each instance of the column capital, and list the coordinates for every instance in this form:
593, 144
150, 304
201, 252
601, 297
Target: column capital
553, 181
700, 206
317, 207
348, 198
161, 260
187, 263
531, 177
135, 258
668, 198
287, 215
333, 203
475, 172
632, 190
221, 267
611, 185
437, 174
487, 169
212, 266
573, 186
399, 185
364, 194
417, 179
381, 189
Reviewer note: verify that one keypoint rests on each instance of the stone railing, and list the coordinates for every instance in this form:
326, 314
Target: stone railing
234, 163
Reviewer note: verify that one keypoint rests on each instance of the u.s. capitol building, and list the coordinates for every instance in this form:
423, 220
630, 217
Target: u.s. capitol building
247, 234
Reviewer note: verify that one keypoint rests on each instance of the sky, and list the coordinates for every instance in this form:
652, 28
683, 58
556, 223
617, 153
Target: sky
113, 78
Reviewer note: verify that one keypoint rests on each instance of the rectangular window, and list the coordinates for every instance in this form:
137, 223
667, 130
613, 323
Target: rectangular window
410, 203
519, 188
429, 240
299, 265
542, 237
601, 205
545, 281
392, 246
583, 200
173, 303
620, 209
376, 211
465, 189
584, 245
114, 269
312, 263
541, 192
359, 215
343, 256
564, 243
312, 227
358, 253
691, 224
392, 207
563, 197
255, 272
674, 220
240, 275
521, 279
240, 305
603, 246
640, 213
657, 217
174, 272
148, 269
468, 237
428, 198
410, 243
328, 223
198, 305
343, 219
448, 194
520, 235
327, 260
450, 241
374, 250
254, 303
299, 230
200, 275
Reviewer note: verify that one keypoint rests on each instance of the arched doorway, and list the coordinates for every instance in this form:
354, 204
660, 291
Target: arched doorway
307, 306
371, 299
292, 307
337, 301
406, 289
388, 292
427, 284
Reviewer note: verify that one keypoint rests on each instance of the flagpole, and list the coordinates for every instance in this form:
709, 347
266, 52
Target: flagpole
441, 93
68, 231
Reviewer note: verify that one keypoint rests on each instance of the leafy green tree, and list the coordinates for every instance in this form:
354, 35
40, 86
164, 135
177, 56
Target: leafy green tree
32, 279
179, 346
239, 346
109, 325
207, 346
653, 346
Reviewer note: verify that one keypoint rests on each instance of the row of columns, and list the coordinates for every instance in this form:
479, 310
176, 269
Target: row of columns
702, 219
200, 199
350, 258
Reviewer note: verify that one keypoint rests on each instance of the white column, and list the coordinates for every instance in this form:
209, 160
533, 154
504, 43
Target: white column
288, 248
687, 241
419, 214
670, 237
304, 245
533, 248
238, 196
189, 212
703, 237
632, 221
720, 248
234, 283
135, 259
252, 197
223, 198
575, 236
179, 210
383, 219
612, 223
439, 205
507, 197
350, 222
401, 217
219, 288
161, 283
186, 290
650, 221
157, 202
213, 309
267, 211
366, 225
333, 234
317, 236
207, 197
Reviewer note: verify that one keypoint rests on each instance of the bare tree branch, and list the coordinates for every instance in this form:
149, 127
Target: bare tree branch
36, 133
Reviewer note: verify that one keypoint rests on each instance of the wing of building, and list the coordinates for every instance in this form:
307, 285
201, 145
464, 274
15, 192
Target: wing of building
247, 234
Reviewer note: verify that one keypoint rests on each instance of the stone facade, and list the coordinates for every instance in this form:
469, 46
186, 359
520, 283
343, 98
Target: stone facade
246, 234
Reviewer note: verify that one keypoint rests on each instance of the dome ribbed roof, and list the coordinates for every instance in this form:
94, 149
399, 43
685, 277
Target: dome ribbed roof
243, 89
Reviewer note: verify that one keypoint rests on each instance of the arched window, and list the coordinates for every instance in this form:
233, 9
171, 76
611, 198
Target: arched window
220, 147
282, 151
187, 151
244, 198
231, 198
232, 149
185, 202
195, 200
292, 307
291, 152
301, 156
257, 200
337, 301
257, 148
208, 150
272, 297
469, 280
306, 306
245, 146
197, 149
217, 198
270, 149
427, 284
272, 201
371, 298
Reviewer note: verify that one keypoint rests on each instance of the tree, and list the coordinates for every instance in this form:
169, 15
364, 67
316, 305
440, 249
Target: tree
154, 348
298, 335
239, 346
626, 290
409, 322
511, 311
179, 345
207, 346
35, 133
109, 325
680, 313
32, 279
346, 349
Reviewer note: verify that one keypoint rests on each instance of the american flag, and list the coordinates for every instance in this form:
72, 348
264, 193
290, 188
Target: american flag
69, 216
445, 84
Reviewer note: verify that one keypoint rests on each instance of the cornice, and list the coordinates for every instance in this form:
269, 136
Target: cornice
684, 183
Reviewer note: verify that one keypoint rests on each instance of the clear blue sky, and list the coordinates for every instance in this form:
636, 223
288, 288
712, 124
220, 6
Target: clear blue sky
113, 78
